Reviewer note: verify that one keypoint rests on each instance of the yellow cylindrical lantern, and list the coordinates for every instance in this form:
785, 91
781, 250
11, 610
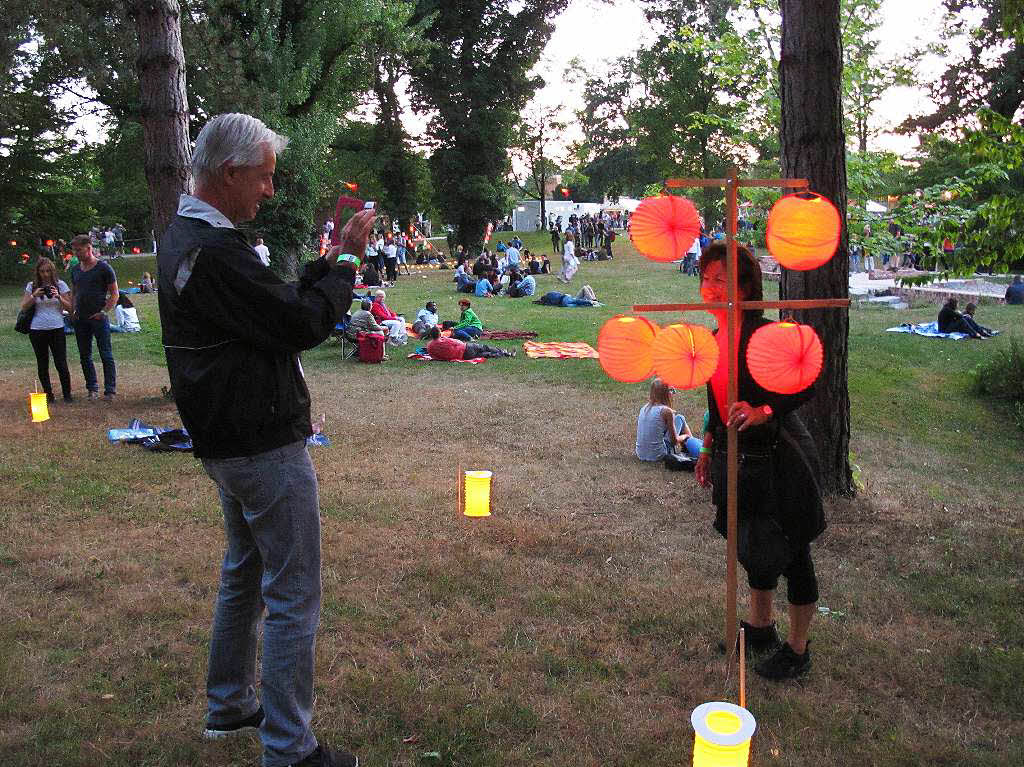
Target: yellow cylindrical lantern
478, 494
722, 733
37, 406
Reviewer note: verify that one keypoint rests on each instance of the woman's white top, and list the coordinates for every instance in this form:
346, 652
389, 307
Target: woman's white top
49, 314
127, 319
651, 433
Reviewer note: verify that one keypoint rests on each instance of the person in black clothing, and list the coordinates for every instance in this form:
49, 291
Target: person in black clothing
232, 334
556, 241
1015, 291
780, 508
951, 321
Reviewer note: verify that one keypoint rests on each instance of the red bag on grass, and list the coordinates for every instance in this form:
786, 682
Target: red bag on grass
371, 347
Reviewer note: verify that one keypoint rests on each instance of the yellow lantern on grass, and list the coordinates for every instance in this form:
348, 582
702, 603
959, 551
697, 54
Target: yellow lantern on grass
722, 733
37, 407
478, 494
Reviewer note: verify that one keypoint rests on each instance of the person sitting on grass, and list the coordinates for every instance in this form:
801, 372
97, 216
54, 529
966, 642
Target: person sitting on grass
969, 311
126, 318
951, 321
522, 285
485, 285
660, 429
370, 275
469, 325
533, 262
426, 318
441, 348
1015, 292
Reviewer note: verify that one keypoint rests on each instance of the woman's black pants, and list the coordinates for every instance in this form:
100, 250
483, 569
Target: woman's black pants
44, 343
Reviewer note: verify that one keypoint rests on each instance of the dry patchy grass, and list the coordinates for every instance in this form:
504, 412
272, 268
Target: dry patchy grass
574, 627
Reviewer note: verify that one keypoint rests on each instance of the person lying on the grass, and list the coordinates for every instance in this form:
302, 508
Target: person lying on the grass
426, 318
441, 348
660, 429
469, 325
363, 321
586, 297
951, 321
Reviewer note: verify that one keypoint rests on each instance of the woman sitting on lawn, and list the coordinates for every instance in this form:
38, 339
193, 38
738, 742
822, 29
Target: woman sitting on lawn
441, 348
469, 325
660, 429
951, 321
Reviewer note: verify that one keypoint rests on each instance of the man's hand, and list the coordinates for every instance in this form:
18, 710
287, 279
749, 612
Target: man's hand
356, 234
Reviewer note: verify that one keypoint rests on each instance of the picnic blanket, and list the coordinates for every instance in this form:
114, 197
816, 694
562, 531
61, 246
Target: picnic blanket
161, 440
563, 350
424, 357
508, 335
926, 329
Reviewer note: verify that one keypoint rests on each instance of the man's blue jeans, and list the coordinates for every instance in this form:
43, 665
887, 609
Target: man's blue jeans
85, 331
272, 523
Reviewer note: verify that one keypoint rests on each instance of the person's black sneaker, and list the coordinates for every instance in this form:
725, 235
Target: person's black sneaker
759, 640
328, 757
69, 399
249, 724
50, 398
785, 664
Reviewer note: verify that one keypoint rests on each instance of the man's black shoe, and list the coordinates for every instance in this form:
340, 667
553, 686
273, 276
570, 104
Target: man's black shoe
249, 724
328, 757
785, 664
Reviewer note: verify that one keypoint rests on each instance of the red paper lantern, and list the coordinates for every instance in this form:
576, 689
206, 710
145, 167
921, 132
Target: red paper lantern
803, 231
684, 355
785, 357
565, 191
49, 243
136, 250
664, 228
624, 348
352, 186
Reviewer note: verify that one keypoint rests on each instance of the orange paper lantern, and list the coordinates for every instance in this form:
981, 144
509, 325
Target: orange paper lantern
803, 231
785, 357
664, 228
684, 355
624, 348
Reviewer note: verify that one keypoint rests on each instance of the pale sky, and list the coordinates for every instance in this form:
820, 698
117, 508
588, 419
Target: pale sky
596, 31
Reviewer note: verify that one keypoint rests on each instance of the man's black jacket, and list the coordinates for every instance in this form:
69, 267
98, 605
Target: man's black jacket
232, 331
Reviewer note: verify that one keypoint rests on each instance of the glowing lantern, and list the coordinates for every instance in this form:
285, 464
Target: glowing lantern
664, 228
478, 494
37, 407
49, 243
803, 231
785, 357
684, 356
13, 243
565, 191
352, 186
722, 733
624, 348
24, 258
136, 250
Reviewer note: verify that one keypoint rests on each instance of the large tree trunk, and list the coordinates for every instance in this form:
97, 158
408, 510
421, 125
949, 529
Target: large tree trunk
814, 147
164, 106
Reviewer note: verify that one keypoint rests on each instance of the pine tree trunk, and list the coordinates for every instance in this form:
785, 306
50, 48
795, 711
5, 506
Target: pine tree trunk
814, 147
164, 106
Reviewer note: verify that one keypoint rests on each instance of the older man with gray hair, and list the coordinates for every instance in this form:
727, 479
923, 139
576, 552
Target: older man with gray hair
232, 333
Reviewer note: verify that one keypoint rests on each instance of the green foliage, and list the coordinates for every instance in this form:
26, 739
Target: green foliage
1002, 377
123, 194
476, 79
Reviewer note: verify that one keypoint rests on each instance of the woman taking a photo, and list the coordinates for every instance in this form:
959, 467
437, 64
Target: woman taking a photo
779, 509
52, 298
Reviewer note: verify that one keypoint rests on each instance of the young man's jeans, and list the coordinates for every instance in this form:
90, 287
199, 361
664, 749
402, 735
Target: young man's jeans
272, 524
85, 331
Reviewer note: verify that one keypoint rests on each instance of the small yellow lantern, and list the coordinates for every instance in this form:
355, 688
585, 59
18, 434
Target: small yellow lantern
478, 494
37, 406
722, 733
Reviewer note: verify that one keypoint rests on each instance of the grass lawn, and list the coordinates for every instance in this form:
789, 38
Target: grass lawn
577, 625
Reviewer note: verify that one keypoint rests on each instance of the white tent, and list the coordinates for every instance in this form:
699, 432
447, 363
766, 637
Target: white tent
874, 207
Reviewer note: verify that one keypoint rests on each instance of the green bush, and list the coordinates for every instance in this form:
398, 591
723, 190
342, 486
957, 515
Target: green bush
1003, 377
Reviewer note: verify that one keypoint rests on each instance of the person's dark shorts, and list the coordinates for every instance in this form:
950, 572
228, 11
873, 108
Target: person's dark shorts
801, 582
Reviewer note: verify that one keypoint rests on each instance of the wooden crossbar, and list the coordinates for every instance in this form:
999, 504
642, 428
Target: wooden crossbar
691, 183
797, 303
